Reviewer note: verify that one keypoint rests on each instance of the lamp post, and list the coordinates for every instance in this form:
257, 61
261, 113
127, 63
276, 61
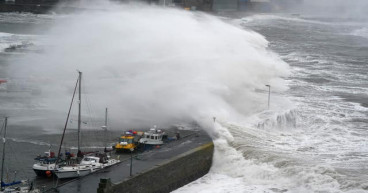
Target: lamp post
269, 94
131, 160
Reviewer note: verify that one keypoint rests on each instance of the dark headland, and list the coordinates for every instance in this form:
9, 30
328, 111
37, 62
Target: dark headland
66, 6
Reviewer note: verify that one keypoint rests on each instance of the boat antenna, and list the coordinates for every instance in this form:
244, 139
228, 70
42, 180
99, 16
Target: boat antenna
66, 124
3, 159
79, 110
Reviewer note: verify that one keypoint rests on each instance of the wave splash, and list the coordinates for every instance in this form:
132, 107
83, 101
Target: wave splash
151, 65
161, 66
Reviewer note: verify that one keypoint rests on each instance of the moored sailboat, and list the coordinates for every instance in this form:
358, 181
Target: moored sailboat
46, 165
89, 163
20, 186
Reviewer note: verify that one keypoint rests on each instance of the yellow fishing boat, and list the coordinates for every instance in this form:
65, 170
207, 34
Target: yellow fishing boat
128, 142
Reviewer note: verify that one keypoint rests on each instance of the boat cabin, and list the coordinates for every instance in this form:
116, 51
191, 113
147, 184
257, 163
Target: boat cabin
128, 141
153, 137
90, 160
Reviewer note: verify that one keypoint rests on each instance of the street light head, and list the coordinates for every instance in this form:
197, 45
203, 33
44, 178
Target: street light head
268, 85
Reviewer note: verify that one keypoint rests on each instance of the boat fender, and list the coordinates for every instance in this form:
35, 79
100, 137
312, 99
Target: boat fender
48, 173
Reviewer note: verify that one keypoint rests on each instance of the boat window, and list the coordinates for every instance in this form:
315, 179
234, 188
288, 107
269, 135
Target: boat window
89, 159
122, 140
152, 137
156, 137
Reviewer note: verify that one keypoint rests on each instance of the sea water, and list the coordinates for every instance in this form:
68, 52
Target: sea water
318, 145
154, 65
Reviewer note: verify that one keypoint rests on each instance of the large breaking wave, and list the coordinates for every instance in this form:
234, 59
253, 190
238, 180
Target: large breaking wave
153, 65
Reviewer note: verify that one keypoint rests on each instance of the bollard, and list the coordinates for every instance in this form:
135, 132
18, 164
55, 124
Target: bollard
104, 186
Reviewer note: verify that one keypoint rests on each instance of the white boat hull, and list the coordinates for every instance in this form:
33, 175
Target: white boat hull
73, 172
82, 170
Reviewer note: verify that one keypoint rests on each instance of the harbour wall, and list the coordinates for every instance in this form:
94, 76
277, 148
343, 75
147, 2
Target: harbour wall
167, 176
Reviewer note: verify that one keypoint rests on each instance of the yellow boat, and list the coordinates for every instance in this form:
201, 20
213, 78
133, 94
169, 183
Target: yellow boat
128, 142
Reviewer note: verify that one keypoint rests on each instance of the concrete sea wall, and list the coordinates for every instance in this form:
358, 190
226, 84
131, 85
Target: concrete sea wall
167, 176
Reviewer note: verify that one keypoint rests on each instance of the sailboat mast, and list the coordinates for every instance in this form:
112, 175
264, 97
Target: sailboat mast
105, 128
106, 118
3, 159
79, 109
66, 124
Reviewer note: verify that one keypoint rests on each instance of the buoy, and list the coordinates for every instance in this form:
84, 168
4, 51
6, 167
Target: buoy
48, 173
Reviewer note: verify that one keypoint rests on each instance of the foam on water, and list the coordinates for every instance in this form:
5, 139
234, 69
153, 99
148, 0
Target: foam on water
266, 159
362, 32
281, 17
2, 34
40, 143
11, 42
3, 41
262, 168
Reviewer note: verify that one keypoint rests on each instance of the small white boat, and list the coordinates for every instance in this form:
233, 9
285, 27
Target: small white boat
45, 164
89, 164
153, 137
